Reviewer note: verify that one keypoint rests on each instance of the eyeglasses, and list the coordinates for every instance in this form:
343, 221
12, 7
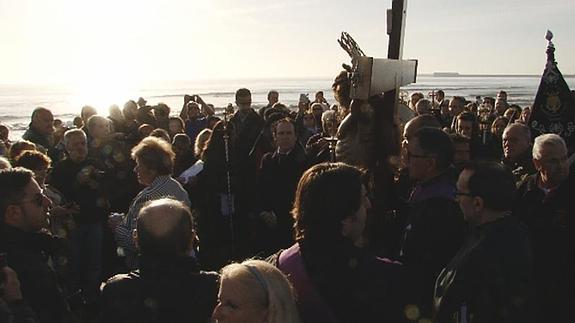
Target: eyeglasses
38, 199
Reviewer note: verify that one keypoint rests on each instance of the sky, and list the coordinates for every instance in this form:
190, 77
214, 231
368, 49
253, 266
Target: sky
119, 41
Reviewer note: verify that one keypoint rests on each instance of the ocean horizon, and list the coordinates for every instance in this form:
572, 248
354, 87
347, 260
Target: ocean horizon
17, 101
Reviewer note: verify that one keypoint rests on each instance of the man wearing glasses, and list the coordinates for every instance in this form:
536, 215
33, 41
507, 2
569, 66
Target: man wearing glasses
23, 216
490, 277
434, 228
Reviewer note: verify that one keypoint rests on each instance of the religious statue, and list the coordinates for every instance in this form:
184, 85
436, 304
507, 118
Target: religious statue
355, 133
360, 87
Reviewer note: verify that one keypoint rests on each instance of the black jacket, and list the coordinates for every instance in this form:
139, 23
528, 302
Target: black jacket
84, 184
248, 145
163, 290
45, 142
522, 167
247, 128
550, 219
279, 176
16, 312
28, 254
490, 279
433, 233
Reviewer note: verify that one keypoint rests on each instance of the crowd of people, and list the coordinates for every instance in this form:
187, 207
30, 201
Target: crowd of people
147, 215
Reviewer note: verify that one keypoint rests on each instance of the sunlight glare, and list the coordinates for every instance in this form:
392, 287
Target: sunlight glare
102, 92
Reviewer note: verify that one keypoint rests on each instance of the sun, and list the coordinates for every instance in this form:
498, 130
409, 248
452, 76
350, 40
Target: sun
102, 92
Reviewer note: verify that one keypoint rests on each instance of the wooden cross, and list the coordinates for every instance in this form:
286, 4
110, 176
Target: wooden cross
374, 76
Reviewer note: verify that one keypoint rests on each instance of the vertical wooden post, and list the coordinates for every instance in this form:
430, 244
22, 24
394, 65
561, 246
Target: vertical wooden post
386, 130
395, 46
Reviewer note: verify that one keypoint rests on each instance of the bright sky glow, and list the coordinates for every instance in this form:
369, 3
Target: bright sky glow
122, 43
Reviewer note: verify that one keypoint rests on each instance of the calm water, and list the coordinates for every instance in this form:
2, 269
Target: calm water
18, 101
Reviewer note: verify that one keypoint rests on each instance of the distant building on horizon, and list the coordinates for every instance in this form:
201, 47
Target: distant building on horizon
445, 74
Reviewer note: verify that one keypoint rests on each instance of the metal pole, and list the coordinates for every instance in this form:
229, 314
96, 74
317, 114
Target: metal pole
229, 201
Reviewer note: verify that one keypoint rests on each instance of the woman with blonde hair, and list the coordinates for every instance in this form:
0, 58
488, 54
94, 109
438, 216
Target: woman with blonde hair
189, 174
154, 159
255, 291
202, 142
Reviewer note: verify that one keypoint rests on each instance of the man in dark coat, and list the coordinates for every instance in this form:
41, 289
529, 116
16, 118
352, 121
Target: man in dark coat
394, 225
247, 126
79, 179
41, 132
23, 216
279, 175
491, 277
247, 147
41, 128
168, 287
434, 228
545, 203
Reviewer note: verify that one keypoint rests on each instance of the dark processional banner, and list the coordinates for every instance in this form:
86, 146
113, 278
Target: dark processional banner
554, 107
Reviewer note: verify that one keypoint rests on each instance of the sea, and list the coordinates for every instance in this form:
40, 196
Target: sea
65, 101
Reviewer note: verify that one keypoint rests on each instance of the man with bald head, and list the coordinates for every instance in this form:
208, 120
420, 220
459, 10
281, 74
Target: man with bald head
413, 125
41, 129
168, 287
394, 228
433, 227
164, 228
516, 142
404, 184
